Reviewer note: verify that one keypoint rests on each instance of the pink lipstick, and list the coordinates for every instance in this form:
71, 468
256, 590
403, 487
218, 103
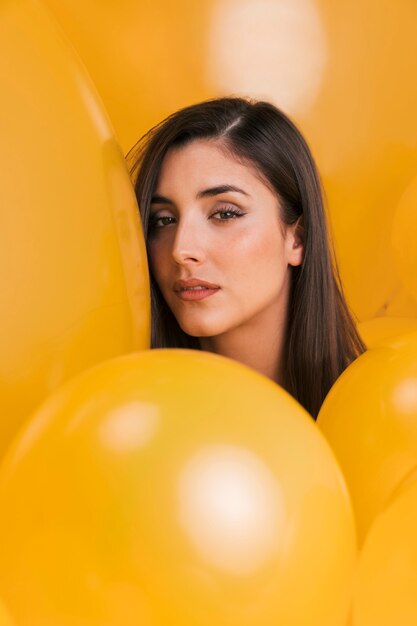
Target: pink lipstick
194, 289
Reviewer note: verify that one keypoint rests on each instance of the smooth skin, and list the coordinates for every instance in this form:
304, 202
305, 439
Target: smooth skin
233, 239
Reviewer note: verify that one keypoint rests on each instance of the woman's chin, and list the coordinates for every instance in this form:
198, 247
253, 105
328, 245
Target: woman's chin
197, 331
201, 330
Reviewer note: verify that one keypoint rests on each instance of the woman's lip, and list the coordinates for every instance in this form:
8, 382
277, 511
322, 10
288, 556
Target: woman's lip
189, 295
182, 284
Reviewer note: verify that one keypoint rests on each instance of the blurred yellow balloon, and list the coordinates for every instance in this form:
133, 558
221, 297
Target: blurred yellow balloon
145, 58
401, 304
369, 420
363, 131
404, 238
175, 487
381, 331
74, 283
355, 103
386, 581
5, 619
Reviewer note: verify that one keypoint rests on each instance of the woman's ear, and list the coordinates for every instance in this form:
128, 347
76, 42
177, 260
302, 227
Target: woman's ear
295, 239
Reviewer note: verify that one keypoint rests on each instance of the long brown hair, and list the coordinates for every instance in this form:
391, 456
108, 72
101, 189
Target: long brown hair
321, 337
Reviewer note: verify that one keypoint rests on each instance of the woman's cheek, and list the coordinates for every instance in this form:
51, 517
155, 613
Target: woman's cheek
157, 257
255, 244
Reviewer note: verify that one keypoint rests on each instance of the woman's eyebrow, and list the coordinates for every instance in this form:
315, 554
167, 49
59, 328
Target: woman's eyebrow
214, 191
205, 193
160, 200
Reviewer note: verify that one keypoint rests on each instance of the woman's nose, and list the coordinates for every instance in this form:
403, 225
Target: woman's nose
188, 244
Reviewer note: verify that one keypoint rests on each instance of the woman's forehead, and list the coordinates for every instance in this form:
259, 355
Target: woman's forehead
209, 159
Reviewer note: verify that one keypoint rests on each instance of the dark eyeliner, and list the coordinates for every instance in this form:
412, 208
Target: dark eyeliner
154, 219
228, 209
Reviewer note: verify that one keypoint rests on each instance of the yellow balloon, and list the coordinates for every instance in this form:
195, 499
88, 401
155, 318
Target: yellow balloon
366, 163
404, 238
175, 487
5, 619
73, 274
369, 420
401, 305
146, 59
386, 581
299, 55
381, 331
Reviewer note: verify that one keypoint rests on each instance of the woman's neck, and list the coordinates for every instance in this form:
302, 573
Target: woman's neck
258, 343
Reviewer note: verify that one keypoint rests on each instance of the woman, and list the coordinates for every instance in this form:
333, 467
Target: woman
239, 255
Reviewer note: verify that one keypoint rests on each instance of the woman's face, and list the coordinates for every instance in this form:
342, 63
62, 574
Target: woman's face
218, 249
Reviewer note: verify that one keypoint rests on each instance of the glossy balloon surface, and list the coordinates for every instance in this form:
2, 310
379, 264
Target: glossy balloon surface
369, 420
73, 273
175, 487
386, 581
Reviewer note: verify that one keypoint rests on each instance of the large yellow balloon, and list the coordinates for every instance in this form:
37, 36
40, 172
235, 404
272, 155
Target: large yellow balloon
74, 285
355, 103
386, 582
368, 418
175, 487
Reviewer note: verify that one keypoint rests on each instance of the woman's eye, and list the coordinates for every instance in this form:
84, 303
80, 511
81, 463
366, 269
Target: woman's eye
160, 222
224, 215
